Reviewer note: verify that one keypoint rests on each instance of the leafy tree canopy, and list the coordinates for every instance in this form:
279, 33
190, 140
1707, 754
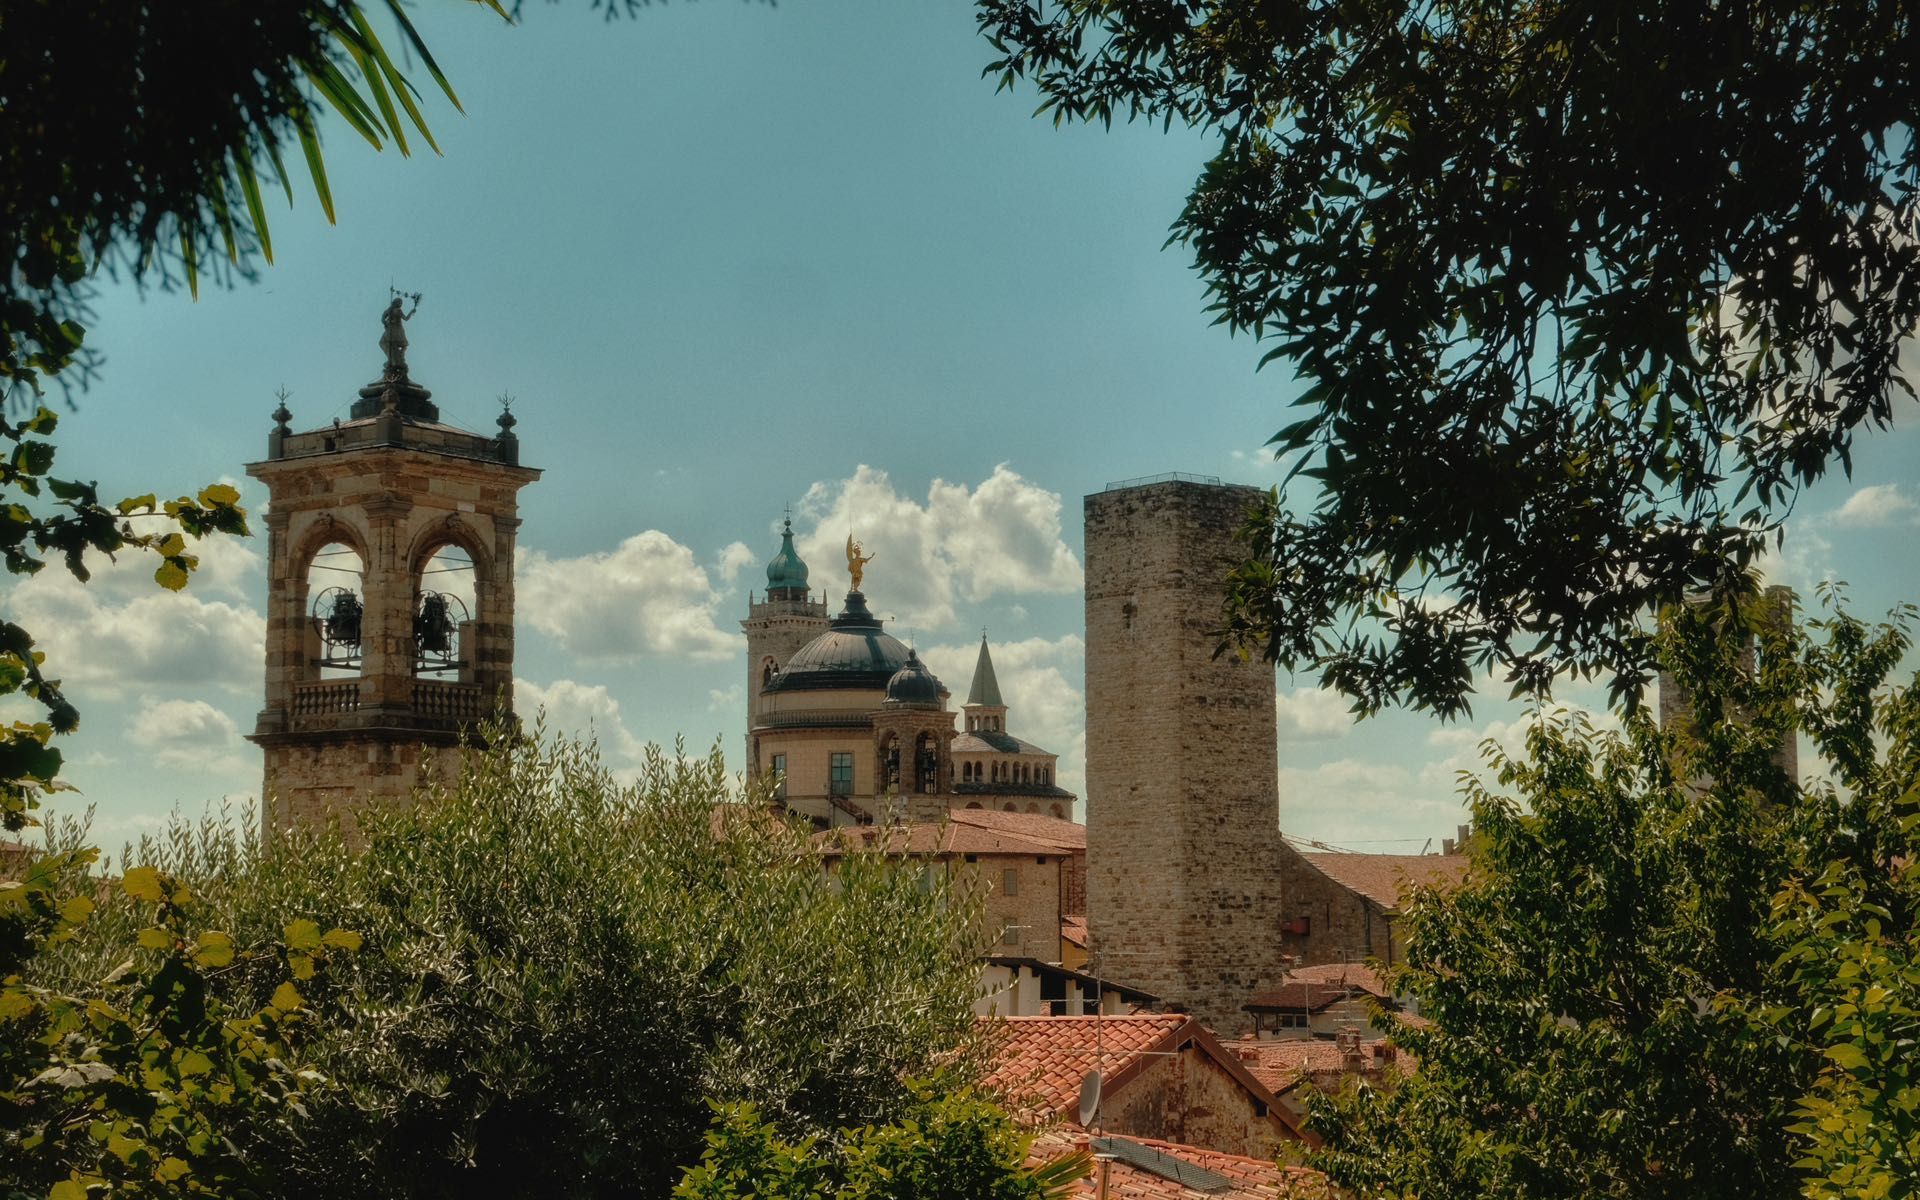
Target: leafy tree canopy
1615, 1008
557, 972
1581, 294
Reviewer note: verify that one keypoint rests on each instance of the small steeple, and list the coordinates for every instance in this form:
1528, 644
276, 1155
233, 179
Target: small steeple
787, 573
986, 712
986, 689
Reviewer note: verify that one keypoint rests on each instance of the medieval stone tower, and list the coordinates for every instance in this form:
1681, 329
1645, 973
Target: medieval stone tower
1772, 610
1183, 886
390, 594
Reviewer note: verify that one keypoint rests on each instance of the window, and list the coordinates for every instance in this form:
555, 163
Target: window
780, 776
1010, 936
840, 773
1010, 881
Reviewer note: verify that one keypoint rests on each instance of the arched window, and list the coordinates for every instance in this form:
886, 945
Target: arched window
1034, 809
336, 610
444, 607
1010, 807
1058, 813
926, 757
768, 669
974, 804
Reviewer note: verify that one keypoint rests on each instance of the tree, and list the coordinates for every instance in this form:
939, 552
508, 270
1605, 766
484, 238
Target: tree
142, 1080
559, 972
1581, 296
950, 1145
1613, 1007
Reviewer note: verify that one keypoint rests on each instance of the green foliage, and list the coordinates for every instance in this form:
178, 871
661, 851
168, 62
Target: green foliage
1580, 294
1617, 1010
559, 971
142, 1080
952, 1145
79, 523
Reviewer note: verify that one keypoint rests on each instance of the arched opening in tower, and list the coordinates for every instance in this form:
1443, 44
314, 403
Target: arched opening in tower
446, 613
335, 602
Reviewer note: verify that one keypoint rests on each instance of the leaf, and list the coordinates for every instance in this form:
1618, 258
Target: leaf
213, 949
302, 935
144, 883
76, 910
345, 939
154, 937
219, 494
170, 575
287, 998
1847, 1056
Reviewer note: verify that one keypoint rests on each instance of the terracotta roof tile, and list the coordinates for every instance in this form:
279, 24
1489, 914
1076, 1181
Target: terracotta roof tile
1280, 1063
926, 838
1301, 996
1384, 878
1248, 1178
1038, 1063
1074, 930
1051, 831
1351, 974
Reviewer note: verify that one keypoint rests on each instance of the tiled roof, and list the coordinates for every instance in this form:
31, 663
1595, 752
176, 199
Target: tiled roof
1301, 996
926, 838
1384, 878
13, 857
1074, 930
1280, 1063
990, 741
1246, 1178
1050, 831
1038, 1063
1355, 974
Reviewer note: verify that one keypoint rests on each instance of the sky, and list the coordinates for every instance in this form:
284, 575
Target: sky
728, 258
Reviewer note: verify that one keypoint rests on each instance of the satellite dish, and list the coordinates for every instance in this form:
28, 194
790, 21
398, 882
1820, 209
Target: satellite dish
1089, 1099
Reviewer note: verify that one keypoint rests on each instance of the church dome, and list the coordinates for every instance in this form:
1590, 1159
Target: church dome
914, 685
854, 653
786, 572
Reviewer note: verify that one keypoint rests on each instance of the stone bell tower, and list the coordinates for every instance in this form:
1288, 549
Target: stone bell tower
372, 656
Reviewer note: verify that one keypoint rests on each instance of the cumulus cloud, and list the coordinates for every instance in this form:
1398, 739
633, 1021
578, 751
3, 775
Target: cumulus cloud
733, 559
189, 735
1308, 714
121, 632
581, 710
1040, 680
1877, 506
1366, 804
649, 596
1002, 537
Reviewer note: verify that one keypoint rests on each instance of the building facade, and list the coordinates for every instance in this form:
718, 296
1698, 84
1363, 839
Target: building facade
848, 727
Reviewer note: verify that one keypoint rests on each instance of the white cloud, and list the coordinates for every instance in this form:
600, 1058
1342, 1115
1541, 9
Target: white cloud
1877, 506
733, 559
1802, 560
189, 735
649, 596
1040, 681
1366, 805
1309, 714
581, 710
727, 699
1002, 537
121, 631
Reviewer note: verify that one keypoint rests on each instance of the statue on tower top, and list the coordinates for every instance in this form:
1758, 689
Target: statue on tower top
393, 335
856, 562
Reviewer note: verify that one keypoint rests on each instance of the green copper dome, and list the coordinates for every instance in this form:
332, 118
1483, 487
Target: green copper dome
786, 572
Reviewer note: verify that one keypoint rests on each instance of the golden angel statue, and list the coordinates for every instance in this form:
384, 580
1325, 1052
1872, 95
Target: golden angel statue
856, 562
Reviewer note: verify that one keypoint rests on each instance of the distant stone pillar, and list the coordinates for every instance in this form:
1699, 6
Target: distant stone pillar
1183, 881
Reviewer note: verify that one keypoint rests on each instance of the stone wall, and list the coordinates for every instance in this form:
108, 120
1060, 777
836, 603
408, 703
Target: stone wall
1191, 1099
1182, 796
1342, 925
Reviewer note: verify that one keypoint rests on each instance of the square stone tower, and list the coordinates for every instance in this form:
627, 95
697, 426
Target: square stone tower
369, 668
1183, 835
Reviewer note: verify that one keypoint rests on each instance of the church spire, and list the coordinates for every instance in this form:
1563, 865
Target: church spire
986, 689
787, 574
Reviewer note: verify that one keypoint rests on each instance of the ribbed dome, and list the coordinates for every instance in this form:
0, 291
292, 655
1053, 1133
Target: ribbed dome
914, 685
786, 572
854, 653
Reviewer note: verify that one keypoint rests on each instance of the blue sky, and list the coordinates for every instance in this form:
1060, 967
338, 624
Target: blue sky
728, 258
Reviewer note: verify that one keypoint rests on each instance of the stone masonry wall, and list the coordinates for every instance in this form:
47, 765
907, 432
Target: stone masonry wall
1182, 796
1189, 1098
1342, 925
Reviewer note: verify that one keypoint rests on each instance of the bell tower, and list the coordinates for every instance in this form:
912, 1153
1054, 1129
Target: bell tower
787, 619
389, 596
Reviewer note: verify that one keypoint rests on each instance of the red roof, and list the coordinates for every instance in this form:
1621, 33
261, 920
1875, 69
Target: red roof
1038, 1063
1247, 1178
1301, 996
1048, 831
1384, 878
1074, 929
1352, 974
927, 838
1280, 1063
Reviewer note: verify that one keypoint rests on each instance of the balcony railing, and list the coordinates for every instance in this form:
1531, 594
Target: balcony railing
453, 701
325, 696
